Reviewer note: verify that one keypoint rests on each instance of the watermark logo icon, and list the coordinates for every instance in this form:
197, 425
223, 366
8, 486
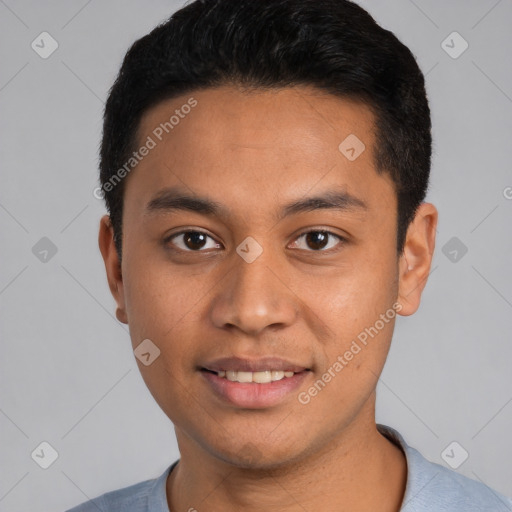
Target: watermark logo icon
44, 45
454, 249
250, 454
44, 455
351, 147
44, 250
454, 455
454, 45
146, 352
249, 249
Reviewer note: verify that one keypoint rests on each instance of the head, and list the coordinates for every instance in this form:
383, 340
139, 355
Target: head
232, 130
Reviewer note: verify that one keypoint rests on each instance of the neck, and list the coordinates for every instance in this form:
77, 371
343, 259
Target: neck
359, 470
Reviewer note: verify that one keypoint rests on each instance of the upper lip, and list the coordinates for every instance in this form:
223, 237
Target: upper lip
252, 365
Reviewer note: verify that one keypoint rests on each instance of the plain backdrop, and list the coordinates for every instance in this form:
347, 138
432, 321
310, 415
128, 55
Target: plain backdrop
67, 372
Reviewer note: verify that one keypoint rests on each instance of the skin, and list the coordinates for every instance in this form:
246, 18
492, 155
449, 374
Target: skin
254, 152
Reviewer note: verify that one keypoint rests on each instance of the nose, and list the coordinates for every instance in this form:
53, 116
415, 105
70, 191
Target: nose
254, 296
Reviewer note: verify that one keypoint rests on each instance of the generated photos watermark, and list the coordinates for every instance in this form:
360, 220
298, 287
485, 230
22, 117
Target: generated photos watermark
157, 135
355, 348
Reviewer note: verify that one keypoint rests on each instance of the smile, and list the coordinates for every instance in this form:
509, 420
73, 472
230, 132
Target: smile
261, 377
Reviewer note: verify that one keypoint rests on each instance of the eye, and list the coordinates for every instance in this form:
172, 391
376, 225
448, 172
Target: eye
318, 240
191, 241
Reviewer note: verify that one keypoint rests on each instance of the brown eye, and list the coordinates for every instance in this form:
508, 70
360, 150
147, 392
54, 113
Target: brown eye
191, 241
318, 240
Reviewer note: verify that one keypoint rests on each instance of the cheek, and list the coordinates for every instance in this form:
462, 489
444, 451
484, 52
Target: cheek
350, 363
157, 300
161, 308
352, 298
357, 305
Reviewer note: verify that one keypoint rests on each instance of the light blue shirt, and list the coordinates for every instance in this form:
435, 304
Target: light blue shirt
430, 487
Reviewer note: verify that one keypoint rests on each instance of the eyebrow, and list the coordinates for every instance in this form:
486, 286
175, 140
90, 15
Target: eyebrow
176, 199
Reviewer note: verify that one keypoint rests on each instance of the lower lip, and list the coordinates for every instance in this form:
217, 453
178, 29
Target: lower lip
252, 395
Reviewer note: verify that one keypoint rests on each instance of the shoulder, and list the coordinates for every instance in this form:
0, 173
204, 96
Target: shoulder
431, 486
145, 496
133, 498
439, 488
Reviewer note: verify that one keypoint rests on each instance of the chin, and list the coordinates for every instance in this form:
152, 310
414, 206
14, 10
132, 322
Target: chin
255, 456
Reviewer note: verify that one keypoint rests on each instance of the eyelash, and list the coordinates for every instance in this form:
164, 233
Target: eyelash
342, 240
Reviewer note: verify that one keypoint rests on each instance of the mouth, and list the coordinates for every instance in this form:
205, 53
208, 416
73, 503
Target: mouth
253, 384
261, 377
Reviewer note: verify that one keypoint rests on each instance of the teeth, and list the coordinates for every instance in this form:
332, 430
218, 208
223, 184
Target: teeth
277, 375
244, 376
263, 377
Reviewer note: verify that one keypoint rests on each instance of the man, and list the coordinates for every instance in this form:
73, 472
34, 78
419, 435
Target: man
264, 166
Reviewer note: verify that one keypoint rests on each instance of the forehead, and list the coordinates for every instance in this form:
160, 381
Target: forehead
258, 146
299, 117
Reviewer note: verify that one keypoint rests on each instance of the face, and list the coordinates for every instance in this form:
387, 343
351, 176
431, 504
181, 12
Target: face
254, 244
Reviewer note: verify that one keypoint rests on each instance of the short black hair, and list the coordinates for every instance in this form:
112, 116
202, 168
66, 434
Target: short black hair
333, 45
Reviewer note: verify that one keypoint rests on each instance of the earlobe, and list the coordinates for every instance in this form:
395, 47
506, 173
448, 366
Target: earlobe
416, 258
112, 266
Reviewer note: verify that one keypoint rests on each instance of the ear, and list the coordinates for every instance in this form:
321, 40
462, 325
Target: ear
112, 266
414, 263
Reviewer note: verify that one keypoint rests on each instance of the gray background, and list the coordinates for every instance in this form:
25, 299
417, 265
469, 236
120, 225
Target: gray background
68, 375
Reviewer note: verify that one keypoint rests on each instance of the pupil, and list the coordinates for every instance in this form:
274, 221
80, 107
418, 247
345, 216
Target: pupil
194, 238
316, 239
